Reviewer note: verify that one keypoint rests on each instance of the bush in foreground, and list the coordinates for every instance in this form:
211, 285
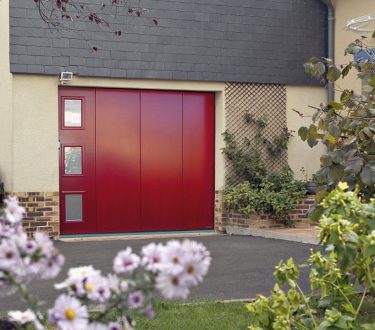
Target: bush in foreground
344, 270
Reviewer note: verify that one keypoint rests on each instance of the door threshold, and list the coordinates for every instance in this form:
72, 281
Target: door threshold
136, 235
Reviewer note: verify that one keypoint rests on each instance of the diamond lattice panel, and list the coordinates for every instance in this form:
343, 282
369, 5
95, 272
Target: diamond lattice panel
262, 101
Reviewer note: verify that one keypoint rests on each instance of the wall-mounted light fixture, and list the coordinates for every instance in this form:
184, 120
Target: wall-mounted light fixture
65, 77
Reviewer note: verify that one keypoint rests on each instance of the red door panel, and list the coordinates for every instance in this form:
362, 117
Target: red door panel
198, 160
118, 160
161, 160
83, 184
136, 160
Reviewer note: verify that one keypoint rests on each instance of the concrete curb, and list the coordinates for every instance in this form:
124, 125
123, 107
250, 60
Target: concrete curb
133, 237
233, 230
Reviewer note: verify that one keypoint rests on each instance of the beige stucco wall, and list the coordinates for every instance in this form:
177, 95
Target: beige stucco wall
6, 99
35, 131
346, 10
299, 153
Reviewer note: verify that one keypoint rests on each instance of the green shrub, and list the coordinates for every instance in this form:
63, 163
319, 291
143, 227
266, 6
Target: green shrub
275, 195
345, 269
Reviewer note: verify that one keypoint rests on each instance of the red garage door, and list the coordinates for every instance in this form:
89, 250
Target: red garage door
133, 160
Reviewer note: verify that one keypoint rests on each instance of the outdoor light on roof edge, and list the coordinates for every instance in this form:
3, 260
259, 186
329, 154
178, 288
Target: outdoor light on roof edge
65, 77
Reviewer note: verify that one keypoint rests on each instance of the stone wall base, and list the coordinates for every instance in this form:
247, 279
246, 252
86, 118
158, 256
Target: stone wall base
42, 212
225, 217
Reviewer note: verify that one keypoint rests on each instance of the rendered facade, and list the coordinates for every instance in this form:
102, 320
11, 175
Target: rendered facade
133, 142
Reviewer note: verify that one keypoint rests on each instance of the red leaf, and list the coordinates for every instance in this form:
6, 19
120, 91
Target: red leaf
58, 4
94, 49
155, 21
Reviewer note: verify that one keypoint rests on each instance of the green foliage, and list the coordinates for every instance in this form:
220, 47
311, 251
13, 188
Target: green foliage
347, 266
275, 195
346, 127
246, 160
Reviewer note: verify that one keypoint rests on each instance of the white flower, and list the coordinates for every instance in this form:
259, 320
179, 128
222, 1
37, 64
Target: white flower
44, 244
136, 300
172, 286
113, 283
195, 248
126, 262
25, 317
172, 257
76, 278
13, 211
152, 256
68, 314
194, 269
53, 265
97, 289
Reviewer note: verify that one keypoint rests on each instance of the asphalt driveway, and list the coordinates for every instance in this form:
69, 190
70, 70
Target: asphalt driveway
242, 266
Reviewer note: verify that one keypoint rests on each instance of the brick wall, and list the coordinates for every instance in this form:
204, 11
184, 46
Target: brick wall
225, 217
42, 212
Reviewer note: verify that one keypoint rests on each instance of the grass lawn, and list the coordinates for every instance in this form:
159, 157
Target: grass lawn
199, 316
217, 315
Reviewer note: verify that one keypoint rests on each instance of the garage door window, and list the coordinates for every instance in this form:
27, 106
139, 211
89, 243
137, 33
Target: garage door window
73, 160
72, 113
73, 207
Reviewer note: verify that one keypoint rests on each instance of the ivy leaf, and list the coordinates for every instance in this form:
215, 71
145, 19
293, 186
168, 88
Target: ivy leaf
354, 166
333, 73
303, 132
334, 130
312, 141
352, 49
319, 69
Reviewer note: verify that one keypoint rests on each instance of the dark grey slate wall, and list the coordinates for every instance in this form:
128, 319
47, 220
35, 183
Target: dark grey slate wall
263, 41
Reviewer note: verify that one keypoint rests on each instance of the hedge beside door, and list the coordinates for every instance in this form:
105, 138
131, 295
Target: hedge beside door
135, 160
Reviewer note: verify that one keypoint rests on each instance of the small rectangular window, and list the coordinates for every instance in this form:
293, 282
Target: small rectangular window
72, 160
73, 113
73, 207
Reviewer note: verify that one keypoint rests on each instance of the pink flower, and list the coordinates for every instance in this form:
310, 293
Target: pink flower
149, 312
9, 256
68, 314
136, 300
126, 262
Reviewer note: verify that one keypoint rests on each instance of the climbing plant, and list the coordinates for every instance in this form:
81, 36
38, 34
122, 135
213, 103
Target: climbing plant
260, 191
